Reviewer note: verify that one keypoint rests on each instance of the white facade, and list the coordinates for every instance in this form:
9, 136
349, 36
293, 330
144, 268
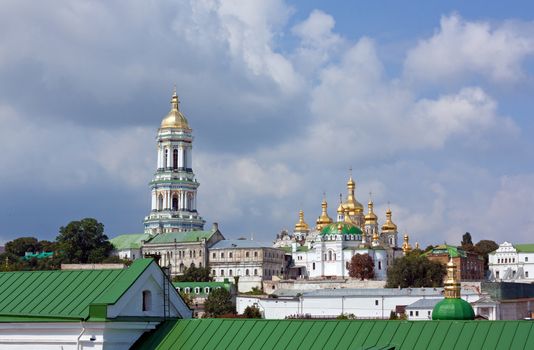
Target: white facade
512, 263
363, 303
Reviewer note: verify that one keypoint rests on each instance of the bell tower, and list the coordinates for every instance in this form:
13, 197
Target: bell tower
173, 186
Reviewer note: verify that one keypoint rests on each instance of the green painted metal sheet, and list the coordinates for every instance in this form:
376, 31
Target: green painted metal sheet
62, 295
188, 236
339, 334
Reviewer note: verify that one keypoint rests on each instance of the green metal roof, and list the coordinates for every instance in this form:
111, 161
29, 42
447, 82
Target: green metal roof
338, 334
64, 295
187, 236
132, 241
453, 309
346, 229
524, 248
453, 251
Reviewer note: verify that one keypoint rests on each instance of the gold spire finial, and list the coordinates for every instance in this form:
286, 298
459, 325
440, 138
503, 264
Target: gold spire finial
452, 283
301, 225
389, 225
323, 219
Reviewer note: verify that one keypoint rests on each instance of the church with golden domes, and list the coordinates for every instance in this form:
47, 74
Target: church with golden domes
327, 249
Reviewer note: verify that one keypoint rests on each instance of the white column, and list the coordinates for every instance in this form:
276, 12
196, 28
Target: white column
180, 157
189, 157
169, 156
153, 199
183, 157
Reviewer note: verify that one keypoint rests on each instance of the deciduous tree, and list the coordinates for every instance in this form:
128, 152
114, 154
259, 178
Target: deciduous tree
361, 266
219, 302
415, 270
83, 241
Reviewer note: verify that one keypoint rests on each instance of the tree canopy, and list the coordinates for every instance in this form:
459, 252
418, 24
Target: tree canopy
361, 266
219, 302
83, 242
467, 242
20, 246
414, 270
194, 274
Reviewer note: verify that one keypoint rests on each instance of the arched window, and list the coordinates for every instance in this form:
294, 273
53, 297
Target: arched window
199, 264
165, 157
230, 255
174, 203
207, 290
190, 254
175, 159
160, 202
187, 290
182, 267
197, 290
247, 254
313, 266
246, 272
147, 300
255, 272
329, 255
194, 253
379, 265
255, 254
200, 253
230, 272
222, 272
213, 272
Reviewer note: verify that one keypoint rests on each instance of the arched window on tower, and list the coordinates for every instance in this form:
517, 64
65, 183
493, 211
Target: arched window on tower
175, 159
165, 157
147, 300
174, 202
160, 202
329, 255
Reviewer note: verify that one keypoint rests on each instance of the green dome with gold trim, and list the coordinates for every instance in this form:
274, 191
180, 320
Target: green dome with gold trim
346, 229
453, 309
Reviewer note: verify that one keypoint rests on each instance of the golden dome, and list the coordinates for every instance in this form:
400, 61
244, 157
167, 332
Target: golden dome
375, 236
324, 219
406, 247
389, 226
351, 203
341, 209
370, 217
301, 226
175, 119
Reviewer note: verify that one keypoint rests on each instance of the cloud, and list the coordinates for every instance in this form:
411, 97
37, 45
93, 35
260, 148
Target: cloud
461, 47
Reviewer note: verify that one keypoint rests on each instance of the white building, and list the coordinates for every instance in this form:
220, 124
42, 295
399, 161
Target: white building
421, 309
327, 250
328, 303
512, 262
85, 309
249, 261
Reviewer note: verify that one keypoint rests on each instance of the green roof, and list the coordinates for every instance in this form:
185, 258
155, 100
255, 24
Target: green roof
338, 334
453, 309
187, 236
524, 248
346, 229
41, 255
452, 251
132, 241
64, 295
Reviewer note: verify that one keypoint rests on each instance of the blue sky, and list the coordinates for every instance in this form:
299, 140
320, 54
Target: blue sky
430, 103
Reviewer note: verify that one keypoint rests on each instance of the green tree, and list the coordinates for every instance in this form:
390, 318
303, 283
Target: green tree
252, 312
484, 247
188, 299
467, 242
194, 274
361, 266
83, 242
219, 302
415, 271
21, 245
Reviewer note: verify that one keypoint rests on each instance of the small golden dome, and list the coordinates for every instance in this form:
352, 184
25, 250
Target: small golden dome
406, 247
324, 219
370, 217
341, 209
301, 225
351, 203
389, 225
175, 119
375, 237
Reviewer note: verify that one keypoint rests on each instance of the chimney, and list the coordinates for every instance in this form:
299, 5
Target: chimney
215, 227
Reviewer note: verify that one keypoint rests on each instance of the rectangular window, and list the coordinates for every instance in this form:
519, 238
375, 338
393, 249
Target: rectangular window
526, 258
526, 274
376, 302
417, 313
411, 313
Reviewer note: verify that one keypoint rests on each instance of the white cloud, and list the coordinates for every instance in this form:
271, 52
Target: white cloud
462, 47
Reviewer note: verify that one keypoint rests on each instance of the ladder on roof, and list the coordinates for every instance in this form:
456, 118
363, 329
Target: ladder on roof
166, 294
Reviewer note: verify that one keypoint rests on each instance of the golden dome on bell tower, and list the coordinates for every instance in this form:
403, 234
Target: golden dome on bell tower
370, 217
389, 225
175, 119
351, 203
406, 247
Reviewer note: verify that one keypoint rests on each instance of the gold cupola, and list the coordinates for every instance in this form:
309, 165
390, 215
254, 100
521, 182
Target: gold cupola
406, 247
351, 203
370, 217
389, 225
301, 225
324, 219
175, 119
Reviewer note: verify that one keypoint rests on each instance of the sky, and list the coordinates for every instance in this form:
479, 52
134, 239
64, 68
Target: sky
429, 103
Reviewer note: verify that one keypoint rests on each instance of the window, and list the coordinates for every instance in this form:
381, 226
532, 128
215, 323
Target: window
194, 253
230, 273
376, 302
246, 254
213, 255
213, 272
246, 272
526, 274
255, 272
147, 300
197, 290
222, 272
230, 255
200, 253
428, 313
313, 266
175, 159
190, 254
174, 203
526, 258
380, 265
207, 290
255, 254
329, 255
411, 313
187, 290
417, 313
222, 255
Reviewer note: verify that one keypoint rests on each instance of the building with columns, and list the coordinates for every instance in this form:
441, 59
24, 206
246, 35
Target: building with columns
174, 187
